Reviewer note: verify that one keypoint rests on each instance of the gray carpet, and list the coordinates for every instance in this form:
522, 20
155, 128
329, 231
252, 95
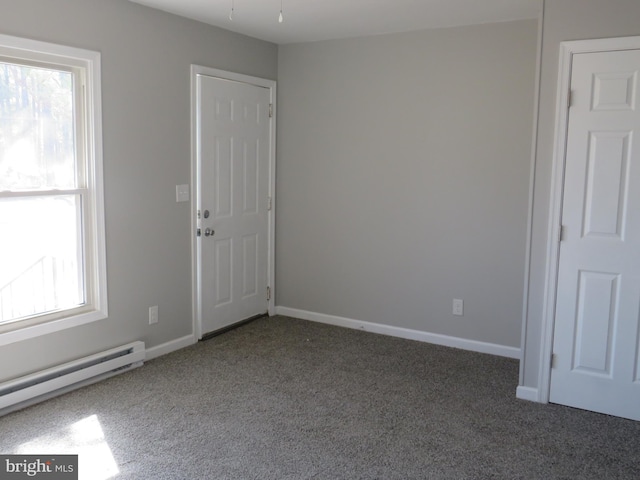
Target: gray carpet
287, 399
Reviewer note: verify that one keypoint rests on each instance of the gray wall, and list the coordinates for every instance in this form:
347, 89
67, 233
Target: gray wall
563, 20
403, 171
146, 55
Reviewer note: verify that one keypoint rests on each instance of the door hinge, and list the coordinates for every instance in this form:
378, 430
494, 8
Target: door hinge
271, 110
268, 293
554, 359
269, 204
569, 98
561, 233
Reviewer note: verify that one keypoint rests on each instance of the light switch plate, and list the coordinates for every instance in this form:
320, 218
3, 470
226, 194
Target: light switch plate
182, 193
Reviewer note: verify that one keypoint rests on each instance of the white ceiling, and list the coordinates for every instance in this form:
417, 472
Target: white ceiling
311, 20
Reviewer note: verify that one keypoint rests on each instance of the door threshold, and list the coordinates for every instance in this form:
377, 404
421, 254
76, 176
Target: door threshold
233, 326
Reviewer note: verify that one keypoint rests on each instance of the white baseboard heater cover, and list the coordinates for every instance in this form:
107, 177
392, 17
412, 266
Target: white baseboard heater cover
36, 387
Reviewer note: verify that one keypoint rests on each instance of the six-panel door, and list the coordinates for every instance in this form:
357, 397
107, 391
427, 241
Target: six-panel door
233, 141
596, 336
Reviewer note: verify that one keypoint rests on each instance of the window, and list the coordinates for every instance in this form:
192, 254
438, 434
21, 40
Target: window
52, 255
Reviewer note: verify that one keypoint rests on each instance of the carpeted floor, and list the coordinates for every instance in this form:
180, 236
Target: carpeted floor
282, 398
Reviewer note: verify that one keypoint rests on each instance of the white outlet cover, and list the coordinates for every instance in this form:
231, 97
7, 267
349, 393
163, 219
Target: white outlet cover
153, 315
458, 307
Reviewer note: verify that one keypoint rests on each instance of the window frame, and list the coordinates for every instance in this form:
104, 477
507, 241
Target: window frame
85, 65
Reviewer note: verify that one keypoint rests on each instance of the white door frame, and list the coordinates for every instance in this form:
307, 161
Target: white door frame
196, 198
567, 50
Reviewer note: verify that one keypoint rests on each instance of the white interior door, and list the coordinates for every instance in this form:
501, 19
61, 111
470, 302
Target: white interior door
596, 362
234, 135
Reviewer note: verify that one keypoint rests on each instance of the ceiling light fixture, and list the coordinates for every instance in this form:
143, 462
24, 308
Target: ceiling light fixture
280, 18
233, 2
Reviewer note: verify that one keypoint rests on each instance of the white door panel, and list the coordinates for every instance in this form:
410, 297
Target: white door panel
234, 148
596, 336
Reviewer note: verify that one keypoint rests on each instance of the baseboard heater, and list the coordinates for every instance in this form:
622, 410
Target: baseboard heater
36, 387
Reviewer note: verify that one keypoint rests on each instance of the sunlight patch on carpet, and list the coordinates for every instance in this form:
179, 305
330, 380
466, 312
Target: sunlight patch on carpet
84, 438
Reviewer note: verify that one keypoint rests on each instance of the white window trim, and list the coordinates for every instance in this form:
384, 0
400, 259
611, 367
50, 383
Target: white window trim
89, 61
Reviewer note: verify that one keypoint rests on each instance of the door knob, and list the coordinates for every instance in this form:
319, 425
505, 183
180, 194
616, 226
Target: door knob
208, 232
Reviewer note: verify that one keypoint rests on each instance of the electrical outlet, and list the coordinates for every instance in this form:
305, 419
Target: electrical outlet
153, 315
458, 307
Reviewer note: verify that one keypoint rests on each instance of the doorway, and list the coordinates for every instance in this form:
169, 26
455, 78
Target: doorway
233, 170
594, 322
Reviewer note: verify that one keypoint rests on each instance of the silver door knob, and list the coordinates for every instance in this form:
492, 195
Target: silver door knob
208, 232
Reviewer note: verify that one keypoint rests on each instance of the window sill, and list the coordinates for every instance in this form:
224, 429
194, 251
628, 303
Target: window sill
25, 333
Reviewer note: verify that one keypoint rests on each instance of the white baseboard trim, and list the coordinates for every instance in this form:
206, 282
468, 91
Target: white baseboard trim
527, 393
435, 338
171, 346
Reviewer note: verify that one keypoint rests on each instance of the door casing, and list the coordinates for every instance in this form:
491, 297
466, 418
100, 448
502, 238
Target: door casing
567, 50
196, 194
